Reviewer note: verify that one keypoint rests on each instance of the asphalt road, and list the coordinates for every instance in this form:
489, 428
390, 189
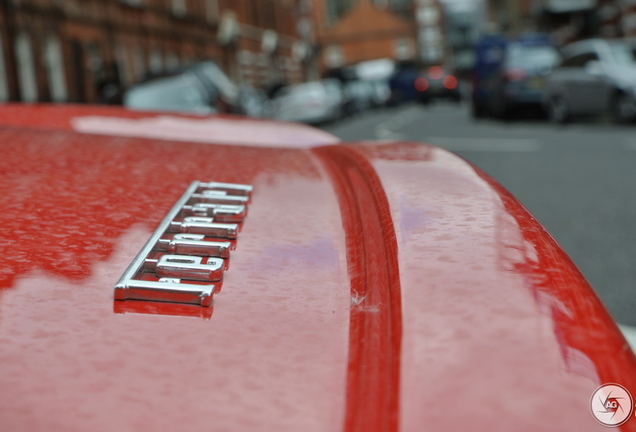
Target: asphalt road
579, 180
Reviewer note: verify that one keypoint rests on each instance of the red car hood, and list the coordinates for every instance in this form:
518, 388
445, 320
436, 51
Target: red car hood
374, 287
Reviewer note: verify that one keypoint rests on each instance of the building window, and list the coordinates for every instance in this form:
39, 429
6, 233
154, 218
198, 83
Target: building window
336, 9
212, 10
172, 61
427, 15
26, 68
123, 65
55, 69
403, 49
431, 36
95, 60
155, 61
139, 63
179, 8
333, 56
432, 54
403, 7
4, 85
133, 3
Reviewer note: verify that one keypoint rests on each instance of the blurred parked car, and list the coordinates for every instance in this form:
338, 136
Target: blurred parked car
596, 76
436, 83
359, 93
489, 55
412, 84
252, 101
510, 74
377, 73
521, 81
381, 93
402, 85
201, 88
178, 93
312, 102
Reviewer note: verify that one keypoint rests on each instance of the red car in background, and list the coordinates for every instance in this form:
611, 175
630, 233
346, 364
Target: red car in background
372, 286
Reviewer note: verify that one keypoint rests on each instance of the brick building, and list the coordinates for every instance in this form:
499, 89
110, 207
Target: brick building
349, 32
566, 20
71, 50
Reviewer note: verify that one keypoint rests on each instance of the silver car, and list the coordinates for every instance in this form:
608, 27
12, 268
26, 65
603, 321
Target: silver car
200, 88
596, 76
312, 102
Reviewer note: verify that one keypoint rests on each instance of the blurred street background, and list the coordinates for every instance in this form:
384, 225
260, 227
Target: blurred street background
540, 94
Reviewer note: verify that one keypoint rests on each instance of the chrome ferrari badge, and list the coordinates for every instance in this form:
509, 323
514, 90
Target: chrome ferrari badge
189, 248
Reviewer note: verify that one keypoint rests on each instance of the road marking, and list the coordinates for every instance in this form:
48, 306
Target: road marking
386, 129
387, 135
487, 144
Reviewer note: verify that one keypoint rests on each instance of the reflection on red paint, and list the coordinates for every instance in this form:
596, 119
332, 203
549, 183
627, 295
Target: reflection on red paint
375, 328
406, 151
585, 331
113, 183
116, 121
482, 319
159, 308
278, 338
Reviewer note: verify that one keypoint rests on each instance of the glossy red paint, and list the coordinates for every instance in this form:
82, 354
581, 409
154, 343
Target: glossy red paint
498, 324
77, 208
375, 323
374, 287
105, 120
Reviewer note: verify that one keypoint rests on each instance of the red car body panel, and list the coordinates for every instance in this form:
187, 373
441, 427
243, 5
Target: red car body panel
374, 287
